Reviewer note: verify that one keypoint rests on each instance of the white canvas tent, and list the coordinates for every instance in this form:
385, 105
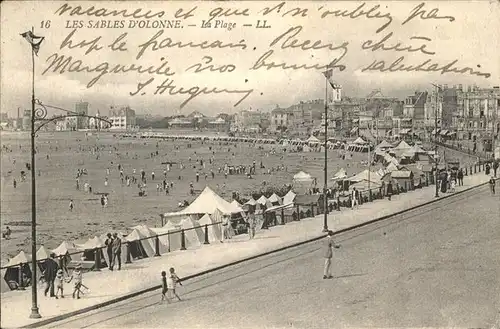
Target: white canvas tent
363, 176
313, 140
148, 233
193, 233
359, 141
139, 247
21, 258
207, 203
42, 253
289, 197
402, 145
251, 202
64, 248
384, 145
341, 174
262, 200
173, 239
275, 199
214, 231
302, 177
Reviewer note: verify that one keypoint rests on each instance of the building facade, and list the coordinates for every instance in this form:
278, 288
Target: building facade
122, 118
82, 108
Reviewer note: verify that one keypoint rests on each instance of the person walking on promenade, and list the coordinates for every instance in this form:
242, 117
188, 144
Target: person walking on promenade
495, 167
172, 281
354, 198
389, 190
50, 274
71, 205
117, 251
14, 183
109, 249
164, 288
460, 176
492, 185
328, 254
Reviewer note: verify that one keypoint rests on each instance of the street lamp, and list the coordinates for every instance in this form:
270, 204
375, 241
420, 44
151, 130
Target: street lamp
435, 139
39, 114
325, 189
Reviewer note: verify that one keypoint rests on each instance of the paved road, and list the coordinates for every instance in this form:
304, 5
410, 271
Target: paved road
434, 267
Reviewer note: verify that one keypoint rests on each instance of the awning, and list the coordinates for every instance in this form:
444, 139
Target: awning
407, 119
444, 132
452, 133
353, 130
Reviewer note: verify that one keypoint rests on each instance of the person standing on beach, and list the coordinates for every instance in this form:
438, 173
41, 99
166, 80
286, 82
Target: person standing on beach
109, 249
71, 206
328, 254
117, 251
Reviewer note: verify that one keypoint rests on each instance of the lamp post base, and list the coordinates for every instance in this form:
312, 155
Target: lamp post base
34, 313
325, 229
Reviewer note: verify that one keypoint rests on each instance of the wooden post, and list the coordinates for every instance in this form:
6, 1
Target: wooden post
21, 283
157, 246
97, 259
206, 235
183, 240
129, 258
298, 213
282, 217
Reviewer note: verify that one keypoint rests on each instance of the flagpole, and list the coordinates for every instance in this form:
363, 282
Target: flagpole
34, 306
325, 195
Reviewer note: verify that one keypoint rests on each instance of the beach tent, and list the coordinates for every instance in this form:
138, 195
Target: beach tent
148, 233
21, 258
262, 200
251, 202
275, 200
402, 145
65, 248
359, 141
302, 177
340, 175
313, 140
89, 249
289, 197
363, 176
384, 145
172, 240
207, 203
43, 253
214, 231
139, 248
193, 232
236, 203
391, 167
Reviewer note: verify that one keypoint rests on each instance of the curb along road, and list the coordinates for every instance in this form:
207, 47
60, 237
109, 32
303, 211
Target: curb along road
143, 291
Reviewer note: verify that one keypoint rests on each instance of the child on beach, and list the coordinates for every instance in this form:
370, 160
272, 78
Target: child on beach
77, 275
172, 281
164, 288
60, 283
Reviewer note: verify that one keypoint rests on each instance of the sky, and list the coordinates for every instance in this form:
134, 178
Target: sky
471, 38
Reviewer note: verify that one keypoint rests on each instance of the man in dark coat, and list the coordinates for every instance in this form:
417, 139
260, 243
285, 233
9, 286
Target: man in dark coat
50, 274
109, 249
117, 251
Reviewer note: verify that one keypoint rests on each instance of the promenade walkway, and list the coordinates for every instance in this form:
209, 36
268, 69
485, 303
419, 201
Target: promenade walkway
143, 274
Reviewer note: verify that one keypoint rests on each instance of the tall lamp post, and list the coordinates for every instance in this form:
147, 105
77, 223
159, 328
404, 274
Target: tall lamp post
39, 114
436, 110
325, 188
